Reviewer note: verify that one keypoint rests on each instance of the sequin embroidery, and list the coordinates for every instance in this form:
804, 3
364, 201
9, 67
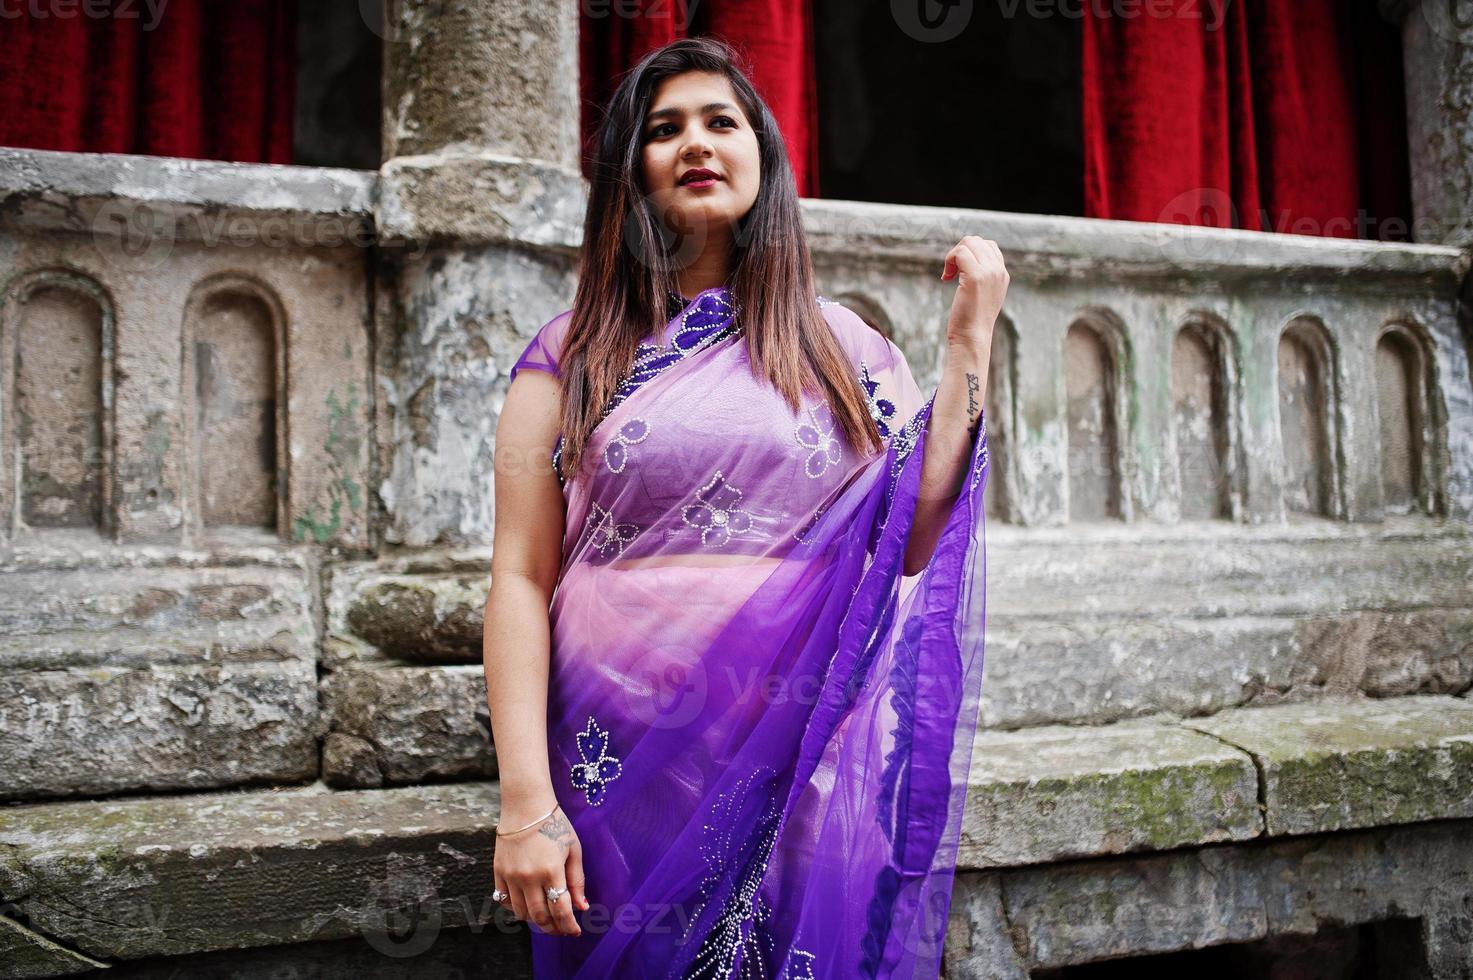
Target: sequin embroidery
882, 410
616, 453
983, 456
738, 939
716, 514
798, 965
608, 535
816, 434
906, 439
598, 768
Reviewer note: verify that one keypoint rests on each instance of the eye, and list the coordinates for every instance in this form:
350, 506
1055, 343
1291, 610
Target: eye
659, 130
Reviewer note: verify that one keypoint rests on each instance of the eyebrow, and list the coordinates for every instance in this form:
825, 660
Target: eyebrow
668, 112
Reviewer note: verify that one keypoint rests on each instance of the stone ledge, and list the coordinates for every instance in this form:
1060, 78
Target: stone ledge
125, 879
1050, 247
177, 615
1044, 794
100, 193
1337, 765
200, 726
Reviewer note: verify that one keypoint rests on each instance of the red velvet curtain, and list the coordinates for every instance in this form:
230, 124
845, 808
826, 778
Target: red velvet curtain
204, 80
1287, 116
775, 37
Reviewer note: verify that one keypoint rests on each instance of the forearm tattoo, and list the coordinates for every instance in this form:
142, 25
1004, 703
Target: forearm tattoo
974, 407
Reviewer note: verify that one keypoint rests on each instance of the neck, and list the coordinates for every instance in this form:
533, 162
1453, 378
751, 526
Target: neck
711, 268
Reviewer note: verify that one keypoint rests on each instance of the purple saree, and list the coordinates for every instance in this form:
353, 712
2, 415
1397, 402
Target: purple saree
760, 729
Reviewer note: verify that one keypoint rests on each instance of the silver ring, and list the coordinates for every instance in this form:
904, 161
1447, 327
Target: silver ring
497, 895
553, 894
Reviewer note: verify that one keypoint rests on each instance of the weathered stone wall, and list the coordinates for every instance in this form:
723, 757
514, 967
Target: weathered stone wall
247, 421
185, 419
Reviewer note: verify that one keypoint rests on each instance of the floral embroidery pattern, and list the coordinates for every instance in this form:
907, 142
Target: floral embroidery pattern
736, 942
880, 409
908, 437
816, 434
616, 453
608, 535
598, 767
716, 514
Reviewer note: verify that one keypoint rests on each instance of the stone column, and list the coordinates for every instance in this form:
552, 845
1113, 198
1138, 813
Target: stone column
1437, 41
480, 211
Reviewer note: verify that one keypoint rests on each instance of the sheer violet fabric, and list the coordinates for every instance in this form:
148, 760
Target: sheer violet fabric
759, 728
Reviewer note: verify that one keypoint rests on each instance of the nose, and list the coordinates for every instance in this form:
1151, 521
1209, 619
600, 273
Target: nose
697, 146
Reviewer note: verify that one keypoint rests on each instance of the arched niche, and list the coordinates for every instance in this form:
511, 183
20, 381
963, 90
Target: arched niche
1095, 366
234, 389
1203, 380
869, 311
1309, 467
56, 402
1406, 458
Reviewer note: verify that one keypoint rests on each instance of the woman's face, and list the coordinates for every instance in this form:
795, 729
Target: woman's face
695, 122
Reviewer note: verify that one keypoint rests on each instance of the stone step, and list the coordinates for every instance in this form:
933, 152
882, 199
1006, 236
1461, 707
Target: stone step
128, 878
1065, 791
135, 669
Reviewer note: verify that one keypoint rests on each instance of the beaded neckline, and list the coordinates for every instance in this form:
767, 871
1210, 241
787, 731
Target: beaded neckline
677, 302
709, 319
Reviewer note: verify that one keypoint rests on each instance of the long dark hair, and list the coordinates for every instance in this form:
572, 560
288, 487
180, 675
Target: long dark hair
626, 271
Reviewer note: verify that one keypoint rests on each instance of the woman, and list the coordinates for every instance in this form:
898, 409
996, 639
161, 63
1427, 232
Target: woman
734, 633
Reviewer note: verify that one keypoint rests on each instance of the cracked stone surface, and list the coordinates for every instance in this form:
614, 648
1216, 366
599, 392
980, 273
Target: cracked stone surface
25, 953
1337, 765
405, 725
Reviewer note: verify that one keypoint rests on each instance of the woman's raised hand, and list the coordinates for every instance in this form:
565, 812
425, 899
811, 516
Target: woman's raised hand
526, 864
982, 285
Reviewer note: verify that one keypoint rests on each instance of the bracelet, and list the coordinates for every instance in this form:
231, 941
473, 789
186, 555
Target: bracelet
530, 825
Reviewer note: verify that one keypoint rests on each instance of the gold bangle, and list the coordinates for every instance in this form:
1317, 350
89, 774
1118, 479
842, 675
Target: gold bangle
530, 825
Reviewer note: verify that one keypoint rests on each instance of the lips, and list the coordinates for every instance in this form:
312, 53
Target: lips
698, 174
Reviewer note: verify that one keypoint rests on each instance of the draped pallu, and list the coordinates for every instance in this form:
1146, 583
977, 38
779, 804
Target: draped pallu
759, 727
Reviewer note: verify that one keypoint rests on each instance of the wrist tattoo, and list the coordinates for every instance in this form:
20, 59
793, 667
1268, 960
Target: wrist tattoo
557, 829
